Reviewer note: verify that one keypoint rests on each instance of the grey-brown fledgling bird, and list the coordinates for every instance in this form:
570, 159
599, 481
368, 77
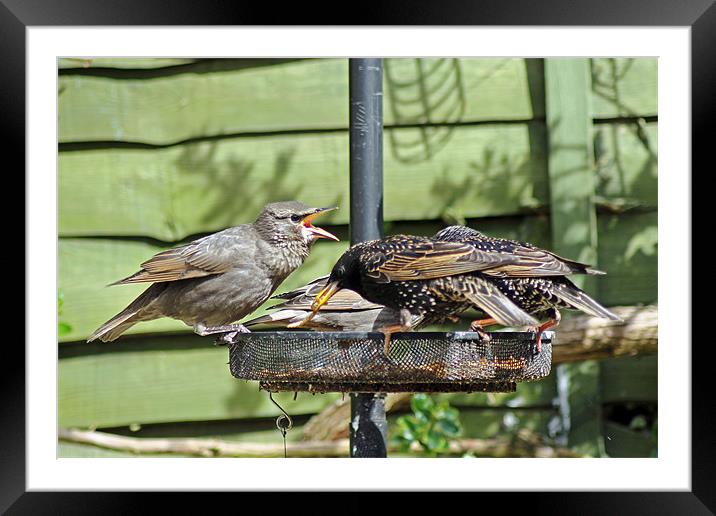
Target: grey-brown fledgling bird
218, 279
537, 285
345, 311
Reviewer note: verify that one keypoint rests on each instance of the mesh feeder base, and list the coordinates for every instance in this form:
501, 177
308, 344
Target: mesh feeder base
417, 362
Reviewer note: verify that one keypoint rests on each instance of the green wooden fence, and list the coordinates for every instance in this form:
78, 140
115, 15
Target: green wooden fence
152, 152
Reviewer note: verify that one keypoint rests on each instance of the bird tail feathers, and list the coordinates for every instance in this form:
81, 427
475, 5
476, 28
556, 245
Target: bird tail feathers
594, 272
280, 317
579, 299
127, 318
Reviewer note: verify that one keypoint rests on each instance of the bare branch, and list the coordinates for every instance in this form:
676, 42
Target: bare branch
587, 338
524, 444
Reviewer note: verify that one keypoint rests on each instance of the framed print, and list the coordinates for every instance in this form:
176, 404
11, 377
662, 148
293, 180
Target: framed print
151, 130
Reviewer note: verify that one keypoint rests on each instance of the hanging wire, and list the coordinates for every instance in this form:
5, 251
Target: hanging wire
284, 423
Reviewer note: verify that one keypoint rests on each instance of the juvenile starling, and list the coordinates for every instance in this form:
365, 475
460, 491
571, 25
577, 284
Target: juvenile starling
426, 277
218, 279
345, 311
540, 288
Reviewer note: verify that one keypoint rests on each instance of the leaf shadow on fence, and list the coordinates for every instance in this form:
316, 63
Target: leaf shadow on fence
609, 141
612, 144
433, 94
219, 187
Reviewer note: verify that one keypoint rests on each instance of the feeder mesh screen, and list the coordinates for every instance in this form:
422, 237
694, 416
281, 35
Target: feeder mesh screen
421, 357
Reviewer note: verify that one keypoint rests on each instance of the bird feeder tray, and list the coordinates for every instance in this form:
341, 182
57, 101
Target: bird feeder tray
417, 361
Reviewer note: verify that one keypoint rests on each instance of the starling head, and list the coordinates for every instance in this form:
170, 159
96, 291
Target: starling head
345, 274
290, 221
346, 271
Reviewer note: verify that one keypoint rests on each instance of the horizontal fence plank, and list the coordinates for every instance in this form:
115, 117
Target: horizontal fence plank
169, 193
528, 394
629, 379
229, 97
185, 379
490, 423
624, 87
220, 99
121, 62
161, 384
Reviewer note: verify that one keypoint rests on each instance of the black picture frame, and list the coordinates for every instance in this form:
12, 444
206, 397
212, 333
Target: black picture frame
700, 15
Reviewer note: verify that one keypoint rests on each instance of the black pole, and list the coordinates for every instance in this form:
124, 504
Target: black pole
368, 426
366, 149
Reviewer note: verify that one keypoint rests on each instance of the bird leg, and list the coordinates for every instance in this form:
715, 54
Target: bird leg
405, 325
478, 326
386, 343
555, 317
228, 332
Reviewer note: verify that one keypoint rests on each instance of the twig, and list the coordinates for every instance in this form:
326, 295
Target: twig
588, 338
202, 447
521, 445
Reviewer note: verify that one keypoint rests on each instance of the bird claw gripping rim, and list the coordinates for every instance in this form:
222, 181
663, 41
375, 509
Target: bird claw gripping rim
417, 361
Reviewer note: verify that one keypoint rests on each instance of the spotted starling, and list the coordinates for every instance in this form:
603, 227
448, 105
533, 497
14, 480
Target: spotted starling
345, 311
540, 288
218, 279
426, 277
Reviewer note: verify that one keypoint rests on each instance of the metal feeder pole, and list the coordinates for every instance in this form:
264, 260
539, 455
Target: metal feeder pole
368, 426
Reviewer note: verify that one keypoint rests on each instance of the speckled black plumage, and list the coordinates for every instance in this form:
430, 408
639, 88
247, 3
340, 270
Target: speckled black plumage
545, 293
434, 279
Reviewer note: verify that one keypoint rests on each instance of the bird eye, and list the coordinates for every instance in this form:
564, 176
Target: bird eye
295, 218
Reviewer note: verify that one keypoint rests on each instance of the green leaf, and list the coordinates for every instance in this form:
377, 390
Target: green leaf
448, 428
436, 442
421, 403
63, 328
432, 425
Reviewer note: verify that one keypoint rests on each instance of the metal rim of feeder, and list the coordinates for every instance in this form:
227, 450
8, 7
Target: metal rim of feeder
417, 362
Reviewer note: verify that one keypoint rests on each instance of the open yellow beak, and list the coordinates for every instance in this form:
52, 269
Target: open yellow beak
321, 299
315, 231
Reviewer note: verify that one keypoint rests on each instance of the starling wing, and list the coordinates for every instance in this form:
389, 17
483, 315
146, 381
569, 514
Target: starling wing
212, 254
529, 260
535, 262
424, 259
